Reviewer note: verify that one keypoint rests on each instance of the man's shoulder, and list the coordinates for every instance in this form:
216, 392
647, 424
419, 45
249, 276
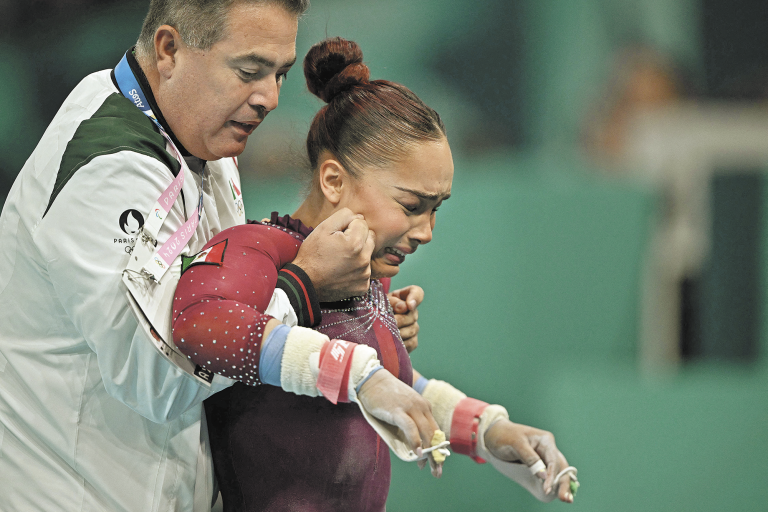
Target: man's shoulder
117, 125
118, 129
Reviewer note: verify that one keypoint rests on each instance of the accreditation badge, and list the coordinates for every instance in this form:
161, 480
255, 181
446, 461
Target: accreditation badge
152, 305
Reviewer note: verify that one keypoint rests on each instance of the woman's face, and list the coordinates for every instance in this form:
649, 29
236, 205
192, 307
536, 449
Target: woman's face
400, 201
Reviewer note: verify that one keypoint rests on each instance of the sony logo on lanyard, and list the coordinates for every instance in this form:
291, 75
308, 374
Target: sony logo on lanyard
163, 257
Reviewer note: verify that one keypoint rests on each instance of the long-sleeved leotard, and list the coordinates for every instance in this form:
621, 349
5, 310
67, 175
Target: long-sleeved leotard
273, 450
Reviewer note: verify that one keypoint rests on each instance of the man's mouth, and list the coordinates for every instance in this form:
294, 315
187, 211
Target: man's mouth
246, 128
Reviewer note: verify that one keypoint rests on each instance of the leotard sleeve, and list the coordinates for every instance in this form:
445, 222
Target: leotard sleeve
218, 313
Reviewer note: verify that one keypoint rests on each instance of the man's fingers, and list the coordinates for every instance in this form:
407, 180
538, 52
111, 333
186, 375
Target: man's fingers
415, 297
370, 243
412, 295
398, 306
340, 220
405, 319
357, 232
408, 331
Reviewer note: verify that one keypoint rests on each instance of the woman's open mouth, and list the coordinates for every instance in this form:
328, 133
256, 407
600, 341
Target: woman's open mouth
394, 256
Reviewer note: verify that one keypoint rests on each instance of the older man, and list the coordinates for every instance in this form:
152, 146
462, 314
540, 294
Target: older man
92, 415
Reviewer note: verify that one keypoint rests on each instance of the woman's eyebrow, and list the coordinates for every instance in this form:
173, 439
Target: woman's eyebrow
425, 195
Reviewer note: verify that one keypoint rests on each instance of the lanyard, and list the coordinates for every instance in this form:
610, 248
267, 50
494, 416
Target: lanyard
163, 257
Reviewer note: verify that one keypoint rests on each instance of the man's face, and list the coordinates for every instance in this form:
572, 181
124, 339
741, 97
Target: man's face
214, 99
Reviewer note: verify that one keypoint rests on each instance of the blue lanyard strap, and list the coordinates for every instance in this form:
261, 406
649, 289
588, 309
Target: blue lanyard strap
130, 88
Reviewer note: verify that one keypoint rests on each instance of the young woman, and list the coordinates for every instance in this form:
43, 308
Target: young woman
380, 152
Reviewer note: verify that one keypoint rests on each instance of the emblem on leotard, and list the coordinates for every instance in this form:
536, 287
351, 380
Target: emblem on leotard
213, 255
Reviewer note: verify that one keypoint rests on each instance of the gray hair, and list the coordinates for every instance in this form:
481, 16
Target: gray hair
200, 23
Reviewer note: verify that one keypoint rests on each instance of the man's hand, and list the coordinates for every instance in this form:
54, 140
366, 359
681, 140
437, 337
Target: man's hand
337, 256
405, 302
391, 400
514, 442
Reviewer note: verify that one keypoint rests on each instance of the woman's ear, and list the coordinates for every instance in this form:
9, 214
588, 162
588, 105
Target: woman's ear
167, 41
333, 180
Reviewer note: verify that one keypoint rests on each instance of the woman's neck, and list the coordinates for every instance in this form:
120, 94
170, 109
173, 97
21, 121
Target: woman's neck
314, 210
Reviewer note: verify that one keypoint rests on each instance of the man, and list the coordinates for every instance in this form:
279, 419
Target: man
92, 416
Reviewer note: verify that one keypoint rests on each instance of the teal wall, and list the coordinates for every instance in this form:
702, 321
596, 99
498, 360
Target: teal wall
531, 287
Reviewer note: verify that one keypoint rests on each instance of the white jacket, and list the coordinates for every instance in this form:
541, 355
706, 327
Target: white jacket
91, 416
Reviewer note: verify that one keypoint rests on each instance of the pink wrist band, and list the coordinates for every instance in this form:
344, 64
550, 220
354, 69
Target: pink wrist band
464, 427
333, 379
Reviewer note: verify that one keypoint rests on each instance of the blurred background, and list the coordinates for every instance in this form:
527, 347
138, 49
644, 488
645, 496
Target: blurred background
600, 268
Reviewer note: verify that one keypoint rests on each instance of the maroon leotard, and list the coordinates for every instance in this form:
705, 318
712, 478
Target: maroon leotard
276, 451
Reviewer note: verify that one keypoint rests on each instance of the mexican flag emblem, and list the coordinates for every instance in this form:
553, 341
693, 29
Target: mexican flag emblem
213, 255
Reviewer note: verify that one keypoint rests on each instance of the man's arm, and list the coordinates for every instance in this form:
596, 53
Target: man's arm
405, 303
84, 245
337, 256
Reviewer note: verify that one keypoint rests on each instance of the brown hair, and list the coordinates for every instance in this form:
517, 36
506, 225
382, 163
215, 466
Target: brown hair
200, 23
365, 123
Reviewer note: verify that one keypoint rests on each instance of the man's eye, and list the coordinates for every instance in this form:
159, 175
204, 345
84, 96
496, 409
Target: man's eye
248, 75
282, 77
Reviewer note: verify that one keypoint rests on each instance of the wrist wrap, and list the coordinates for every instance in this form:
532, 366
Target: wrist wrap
333, 377
465, 427
312, 364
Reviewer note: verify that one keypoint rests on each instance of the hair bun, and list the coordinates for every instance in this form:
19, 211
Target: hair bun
333, 66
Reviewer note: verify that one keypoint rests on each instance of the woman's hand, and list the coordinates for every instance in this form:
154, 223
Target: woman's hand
389, 399
514, 442
405, 302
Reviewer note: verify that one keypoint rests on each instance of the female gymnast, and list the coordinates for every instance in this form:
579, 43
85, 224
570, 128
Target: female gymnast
380, 152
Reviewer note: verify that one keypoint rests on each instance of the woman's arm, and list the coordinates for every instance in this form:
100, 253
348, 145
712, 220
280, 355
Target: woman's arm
465, 419
219, 320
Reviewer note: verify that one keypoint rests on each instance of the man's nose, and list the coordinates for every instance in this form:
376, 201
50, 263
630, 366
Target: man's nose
266, 95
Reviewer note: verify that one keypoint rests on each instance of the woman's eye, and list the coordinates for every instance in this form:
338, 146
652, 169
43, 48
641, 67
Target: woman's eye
411, 208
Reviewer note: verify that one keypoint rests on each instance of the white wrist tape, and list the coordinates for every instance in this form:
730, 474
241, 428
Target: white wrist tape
301, 353
300, 366
364, 360
443, 398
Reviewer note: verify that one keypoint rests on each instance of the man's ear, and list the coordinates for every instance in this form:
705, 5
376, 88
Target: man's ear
333, 180
167, 42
